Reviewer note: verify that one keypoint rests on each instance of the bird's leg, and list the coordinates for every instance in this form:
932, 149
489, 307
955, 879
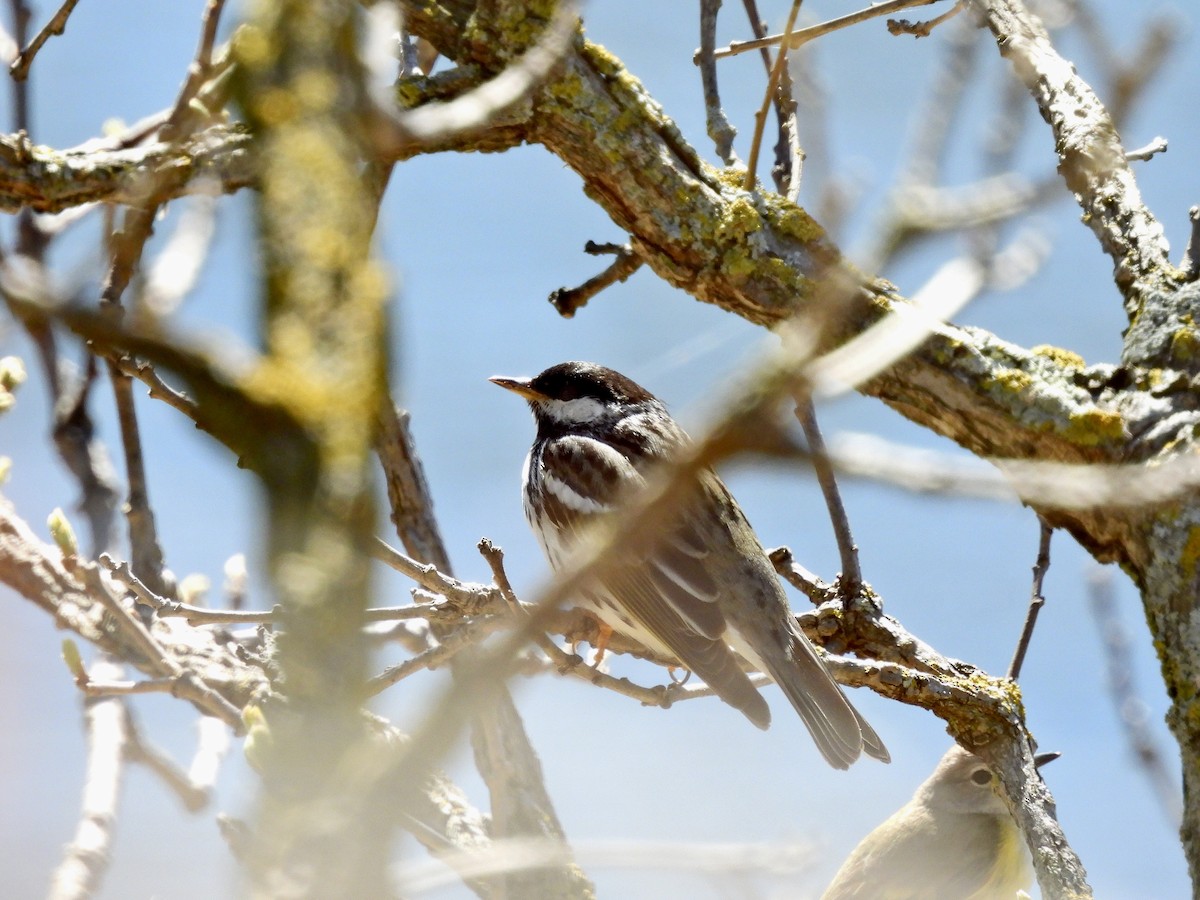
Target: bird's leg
680, 682
604, 634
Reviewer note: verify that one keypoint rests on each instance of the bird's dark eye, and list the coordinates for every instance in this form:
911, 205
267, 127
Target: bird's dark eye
981, 777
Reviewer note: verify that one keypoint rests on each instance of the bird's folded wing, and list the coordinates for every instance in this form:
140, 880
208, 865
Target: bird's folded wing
585, 479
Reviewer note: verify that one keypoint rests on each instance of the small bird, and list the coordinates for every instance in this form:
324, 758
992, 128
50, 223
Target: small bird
704, 592
955, 839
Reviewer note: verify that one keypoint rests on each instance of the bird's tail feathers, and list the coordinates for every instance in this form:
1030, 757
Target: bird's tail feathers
840, 732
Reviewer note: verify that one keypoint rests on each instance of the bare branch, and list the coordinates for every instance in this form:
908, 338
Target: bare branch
719, 129
433, 123
1142, 154
718, 861
1048, 485
19, 69
450, 644
923, 29
1036, 601
86, 858
47, 180
189, 685
760, 117
850, 581
568, 301
194, 796
1091, 158
1190, 264
801, 36
183, 119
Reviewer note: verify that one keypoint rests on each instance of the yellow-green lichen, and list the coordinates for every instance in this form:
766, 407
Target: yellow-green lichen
783, 272
1185, 345
731, 176
1010, 380
512, 29
1190, 556
738, 262
1094, 427
796, 223
600, 59
567, 88
1059, 355
739, 219
410, 92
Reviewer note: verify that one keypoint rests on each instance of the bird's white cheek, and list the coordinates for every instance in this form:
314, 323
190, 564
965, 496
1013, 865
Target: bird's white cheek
581, 410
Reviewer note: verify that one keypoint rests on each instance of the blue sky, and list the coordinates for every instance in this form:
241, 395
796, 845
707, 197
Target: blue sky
475, 243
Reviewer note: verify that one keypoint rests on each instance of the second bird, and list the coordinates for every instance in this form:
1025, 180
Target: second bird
704, 592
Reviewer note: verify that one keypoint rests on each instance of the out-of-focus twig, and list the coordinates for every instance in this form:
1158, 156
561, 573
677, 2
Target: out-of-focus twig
504, 755
86, 857
438, 121
1091, 159
1131, 710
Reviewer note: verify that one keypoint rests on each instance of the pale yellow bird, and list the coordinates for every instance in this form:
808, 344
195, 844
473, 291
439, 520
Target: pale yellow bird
954, 840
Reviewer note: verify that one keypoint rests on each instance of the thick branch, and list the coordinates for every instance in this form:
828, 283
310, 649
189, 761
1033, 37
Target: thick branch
47, 180
1091, 159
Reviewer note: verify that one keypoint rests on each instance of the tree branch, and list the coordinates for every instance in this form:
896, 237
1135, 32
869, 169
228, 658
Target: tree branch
1091, 159
86, 858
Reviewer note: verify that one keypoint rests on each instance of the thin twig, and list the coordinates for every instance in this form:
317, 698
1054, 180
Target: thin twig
803, 35
923, 29
166, 608
193, 796
759, 27
199, 72
1190, 264
760, 117
145, 550
86, 858
189, 686
94, 688
719, 129
789, 158
808, 583
19, 69
1142, 154
1036, 600
158, 389
568, 301
450, 645
565, 663
850, 582
474, 598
